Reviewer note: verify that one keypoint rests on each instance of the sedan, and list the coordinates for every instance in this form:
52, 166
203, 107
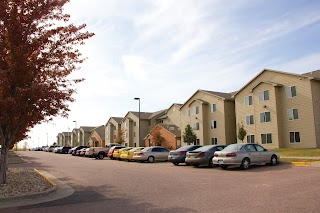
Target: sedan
151, 154
128, 155
203, 155
179, 155
244, 155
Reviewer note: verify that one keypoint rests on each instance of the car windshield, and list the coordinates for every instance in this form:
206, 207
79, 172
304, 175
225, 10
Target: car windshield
147, 149
233, 147
185, 148
204, 148
134, 149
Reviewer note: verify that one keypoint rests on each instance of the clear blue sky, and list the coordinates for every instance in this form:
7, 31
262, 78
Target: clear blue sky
163, 51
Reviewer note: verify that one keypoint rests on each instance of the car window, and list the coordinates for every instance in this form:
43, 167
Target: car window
156, 149
204, 148
250, 148
219, 148
146, 149
259, 148
233, 147
164, 150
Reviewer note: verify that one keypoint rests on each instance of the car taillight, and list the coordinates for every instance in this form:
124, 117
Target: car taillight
231, 155
215, 154
92, 150
201, 154
181, 152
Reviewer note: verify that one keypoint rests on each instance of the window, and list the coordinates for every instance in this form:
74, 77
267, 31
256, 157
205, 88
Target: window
266, 138
294, 137
197, 142
125, 125
126, 144
213, 124
264, 95
259, 148
248, 100
134, 123
293, 114
196, 126
134, 134
213, 108
249, 120
195, 110
214, 141
291, 91
188, 112
126, 135
114, 136
265, 117
115, 128
108, 136
250, 139
135, 144
250, 148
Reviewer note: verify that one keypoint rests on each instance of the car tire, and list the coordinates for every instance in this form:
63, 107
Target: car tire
224, 167
273, 160
245, 164
210, 164
188, 164
196, 165
176, 164
101, 155
150, 159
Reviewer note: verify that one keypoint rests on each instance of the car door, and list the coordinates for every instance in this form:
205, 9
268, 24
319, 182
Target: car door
156, 152
164, 154
252, 153
263, 155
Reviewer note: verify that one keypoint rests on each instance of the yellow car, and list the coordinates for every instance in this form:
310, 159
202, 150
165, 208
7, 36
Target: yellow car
117, 153
128, 155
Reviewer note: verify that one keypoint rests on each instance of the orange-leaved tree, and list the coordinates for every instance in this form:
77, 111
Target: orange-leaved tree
38, 52
156, 137
120, 136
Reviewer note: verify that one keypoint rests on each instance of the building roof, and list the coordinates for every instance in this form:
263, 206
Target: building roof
66, 133
158, 113
117, 119
173, 129
311, 75
143, 115
87, 128
100, 130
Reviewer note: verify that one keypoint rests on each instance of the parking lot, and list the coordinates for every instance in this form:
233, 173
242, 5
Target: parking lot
119, 186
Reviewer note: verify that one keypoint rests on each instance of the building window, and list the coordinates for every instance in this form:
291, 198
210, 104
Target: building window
213, 108
214, 141
196, 126
126, 144
195, 110
265, 117
250, 139
294, 137
248, 100
266, 138
188, 112
114, 136
293, 114
108, 136
134, 123
264, 95
197, 142
135, 144
134, 134
249, 120
125, 125
213, 124
115, 128
291, 91
126, 135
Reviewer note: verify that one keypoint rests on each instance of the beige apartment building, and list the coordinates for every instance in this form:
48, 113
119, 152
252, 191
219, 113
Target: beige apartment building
84, 134
281, 110
211, 115
111, 129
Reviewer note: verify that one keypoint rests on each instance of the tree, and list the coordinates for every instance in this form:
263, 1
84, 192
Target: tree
120, 136
38, 52
156, 137
189, 136
241, 132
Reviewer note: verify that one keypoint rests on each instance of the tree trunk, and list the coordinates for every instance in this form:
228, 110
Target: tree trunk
4, 164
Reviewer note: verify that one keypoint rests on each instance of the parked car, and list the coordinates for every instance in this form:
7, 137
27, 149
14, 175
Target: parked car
128, 155
81, 152
57, 149
151, 154
64, 149
89, 152
76, 149
99, 152
112, 149
202, 155
179, 155
117, 153
244, 155
51, 148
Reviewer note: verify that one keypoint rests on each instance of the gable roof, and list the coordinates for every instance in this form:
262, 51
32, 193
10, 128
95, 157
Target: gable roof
173, 129
158, 113
310, 75
143, 115
116, 119
87, 128
100, 131
224, 96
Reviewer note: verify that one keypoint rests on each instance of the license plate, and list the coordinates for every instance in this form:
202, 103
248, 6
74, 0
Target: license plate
220, 161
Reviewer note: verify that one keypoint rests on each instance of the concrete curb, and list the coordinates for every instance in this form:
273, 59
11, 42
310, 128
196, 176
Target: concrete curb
300, 163
57, 191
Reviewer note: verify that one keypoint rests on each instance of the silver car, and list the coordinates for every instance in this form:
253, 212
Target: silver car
151, 154
244, 155
202, 155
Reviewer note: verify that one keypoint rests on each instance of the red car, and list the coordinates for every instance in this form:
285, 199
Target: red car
110, 153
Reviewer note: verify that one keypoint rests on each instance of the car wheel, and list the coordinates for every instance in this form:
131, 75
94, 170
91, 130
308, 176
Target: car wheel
210, 163
274, 160
195, 165
224, 167
188, 164
245, 164
150, 159
101, 155
176, 164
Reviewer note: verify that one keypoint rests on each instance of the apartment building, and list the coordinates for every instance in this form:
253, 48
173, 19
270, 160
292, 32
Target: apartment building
74, 137
97, 137
280, 110
84, 134
212, 116
111, 129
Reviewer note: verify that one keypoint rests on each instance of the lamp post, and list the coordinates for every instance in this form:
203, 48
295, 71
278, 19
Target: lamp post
139, 119
74, 138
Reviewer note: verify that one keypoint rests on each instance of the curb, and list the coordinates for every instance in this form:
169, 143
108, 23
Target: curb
301, 163
45, 177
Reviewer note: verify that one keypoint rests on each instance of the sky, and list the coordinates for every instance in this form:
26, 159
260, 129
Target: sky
163, 51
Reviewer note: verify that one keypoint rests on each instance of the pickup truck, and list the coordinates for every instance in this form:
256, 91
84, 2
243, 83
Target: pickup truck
100, 152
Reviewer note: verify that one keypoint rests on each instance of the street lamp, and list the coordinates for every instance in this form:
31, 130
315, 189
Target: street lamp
47, 139
139, 118
74, 139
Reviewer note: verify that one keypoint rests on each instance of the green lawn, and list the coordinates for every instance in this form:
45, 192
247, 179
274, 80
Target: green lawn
289, 160
298, 152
